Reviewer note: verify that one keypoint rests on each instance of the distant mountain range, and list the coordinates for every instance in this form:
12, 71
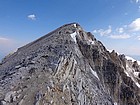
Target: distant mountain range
137, 57
1, 56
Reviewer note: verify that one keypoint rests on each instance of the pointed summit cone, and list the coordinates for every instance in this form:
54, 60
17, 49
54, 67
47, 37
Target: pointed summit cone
68, 66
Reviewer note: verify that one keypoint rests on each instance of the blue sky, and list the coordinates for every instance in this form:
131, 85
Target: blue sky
114, 22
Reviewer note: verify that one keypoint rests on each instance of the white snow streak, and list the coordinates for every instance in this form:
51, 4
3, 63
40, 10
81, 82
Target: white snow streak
126, 73
138, 84
73, 35
94, 73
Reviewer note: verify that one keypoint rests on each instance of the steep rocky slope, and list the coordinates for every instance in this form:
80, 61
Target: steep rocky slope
68, 67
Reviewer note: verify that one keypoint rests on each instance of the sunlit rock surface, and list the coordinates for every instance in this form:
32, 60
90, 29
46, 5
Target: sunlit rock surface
68, 67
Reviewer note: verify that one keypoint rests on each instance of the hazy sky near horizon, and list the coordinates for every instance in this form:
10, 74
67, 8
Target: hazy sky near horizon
116, 23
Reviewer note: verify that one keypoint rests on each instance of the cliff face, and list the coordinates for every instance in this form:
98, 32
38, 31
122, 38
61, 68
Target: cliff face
68, 67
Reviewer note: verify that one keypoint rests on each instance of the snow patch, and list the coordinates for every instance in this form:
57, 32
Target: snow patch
73, 35
94, 73
138, 62
130, 73
74, 25
109, 50
115, 103
136, 74
132, 59
91, 42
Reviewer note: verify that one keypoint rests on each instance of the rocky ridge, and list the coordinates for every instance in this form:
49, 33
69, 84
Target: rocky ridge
68, 67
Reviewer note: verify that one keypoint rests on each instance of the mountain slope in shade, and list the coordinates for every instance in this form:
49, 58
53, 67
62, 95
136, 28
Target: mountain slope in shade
68, 67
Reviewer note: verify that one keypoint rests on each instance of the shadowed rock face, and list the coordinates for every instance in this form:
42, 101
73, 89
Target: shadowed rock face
68, 67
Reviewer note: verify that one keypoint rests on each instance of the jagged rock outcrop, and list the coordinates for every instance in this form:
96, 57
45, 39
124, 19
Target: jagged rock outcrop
68, 67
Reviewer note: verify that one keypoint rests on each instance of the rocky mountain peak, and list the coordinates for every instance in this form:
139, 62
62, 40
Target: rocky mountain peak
68, 66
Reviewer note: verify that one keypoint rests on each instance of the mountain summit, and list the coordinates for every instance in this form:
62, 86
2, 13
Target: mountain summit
68, 67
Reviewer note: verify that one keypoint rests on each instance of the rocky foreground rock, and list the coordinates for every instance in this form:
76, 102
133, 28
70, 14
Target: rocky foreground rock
68, 67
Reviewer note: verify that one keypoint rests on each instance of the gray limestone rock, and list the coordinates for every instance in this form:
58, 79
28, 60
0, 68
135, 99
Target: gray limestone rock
68, 67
